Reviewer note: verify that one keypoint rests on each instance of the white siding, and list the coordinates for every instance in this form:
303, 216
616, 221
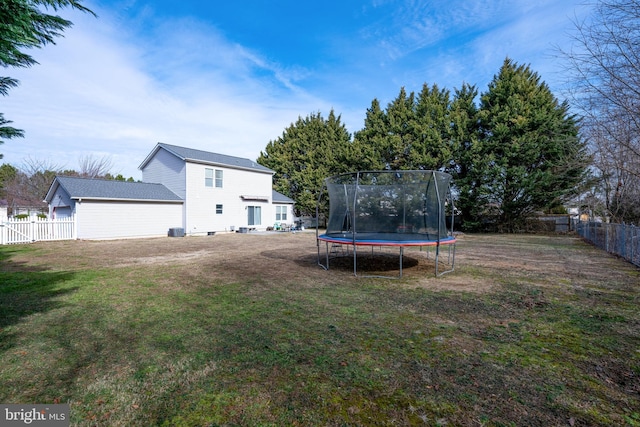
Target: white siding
165, 168
201, 203
59, 202
113, 219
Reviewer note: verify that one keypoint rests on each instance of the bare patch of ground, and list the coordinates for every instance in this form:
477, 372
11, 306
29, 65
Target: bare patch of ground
528, 330
481, 261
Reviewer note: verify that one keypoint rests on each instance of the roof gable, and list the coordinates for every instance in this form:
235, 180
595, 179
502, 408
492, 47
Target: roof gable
200, 156
87, 188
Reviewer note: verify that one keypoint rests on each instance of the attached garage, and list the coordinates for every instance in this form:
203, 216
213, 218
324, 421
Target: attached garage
105, 209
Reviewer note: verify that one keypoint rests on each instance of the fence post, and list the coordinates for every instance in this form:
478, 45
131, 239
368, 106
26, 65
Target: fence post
632, 247
3, 232
624, 241
634, 240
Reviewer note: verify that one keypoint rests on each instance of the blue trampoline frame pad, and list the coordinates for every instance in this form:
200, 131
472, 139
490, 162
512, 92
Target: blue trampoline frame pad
405, 240
362, 241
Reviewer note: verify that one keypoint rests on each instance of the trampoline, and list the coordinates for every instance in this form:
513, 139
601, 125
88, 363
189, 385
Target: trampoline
387, 209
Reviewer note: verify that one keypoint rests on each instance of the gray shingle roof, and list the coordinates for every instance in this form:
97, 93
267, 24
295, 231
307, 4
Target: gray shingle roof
280, 198
113, 190
194, 155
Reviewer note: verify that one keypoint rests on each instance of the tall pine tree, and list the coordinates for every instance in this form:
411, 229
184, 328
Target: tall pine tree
309, 150
464, 137
529, 156
431, 127
409, 134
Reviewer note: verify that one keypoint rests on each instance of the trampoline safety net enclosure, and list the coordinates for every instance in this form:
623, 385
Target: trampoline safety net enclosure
388, 208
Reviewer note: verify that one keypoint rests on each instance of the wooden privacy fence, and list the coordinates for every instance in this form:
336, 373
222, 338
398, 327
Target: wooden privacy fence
620, 239
30, 230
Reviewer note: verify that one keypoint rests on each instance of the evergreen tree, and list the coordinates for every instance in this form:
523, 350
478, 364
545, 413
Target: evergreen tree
367, 142
8, 132
464, 136
24, 26
400, 130
529, 156
409, 134
7, 174
309, 150
431, 127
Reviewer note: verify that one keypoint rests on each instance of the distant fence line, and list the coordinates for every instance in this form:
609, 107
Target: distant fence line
619, 239
33, 230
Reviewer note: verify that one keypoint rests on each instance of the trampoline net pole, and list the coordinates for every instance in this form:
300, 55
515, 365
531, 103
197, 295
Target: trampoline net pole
354, 225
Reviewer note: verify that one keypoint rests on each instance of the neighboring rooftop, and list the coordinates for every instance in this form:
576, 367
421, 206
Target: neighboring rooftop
200, 156
86, 188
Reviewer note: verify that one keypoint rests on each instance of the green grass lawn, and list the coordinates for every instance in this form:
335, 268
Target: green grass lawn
550, 336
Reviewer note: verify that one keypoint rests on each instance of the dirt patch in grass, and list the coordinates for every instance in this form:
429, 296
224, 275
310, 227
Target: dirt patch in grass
247, 329
272, 256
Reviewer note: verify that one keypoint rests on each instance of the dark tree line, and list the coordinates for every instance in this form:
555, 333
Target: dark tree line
26, 187
515, 152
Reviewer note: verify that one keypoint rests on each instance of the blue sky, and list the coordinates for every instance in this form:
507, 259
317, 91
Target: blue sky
229, 77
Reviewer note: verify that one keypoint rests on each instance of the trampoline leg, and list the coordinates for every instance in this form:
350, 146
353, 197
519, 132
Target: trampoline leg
355, 261
401, 252
326, 248
451, 260
326, 267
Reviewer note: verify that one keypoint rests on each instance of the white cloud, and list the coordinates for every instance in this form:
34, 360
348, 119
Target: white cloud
472, 39
104, 90
118, 84
529, 38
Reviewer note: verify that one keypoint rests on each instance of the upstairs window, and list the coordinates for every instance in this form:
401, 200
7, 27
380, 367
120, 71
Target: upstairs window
212, 177
208, 177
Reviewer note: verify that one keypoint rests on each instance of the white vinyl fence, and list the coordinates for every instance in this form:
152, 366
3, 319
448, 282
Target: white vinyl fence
30, 230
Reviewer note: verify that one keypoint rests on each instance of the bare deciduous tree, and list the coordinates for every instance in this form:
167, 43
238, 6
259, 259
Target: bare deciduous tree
604, 72
31, 183
95, 167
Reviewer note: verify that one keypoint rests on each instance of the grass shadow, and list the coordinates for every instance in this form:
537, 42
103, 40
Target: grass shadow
367, 262
26, 290
374, 262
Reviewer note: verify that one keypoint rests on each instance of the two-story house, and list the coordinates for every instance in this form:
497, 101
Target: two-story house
212, 192
221, 193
